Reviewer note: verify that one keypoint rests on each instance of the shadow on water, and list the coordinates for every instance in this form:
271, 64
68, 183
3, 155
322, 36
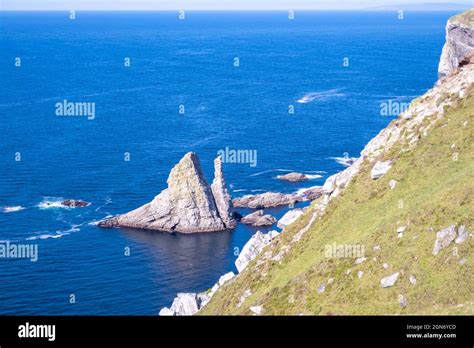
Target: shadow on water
194, 257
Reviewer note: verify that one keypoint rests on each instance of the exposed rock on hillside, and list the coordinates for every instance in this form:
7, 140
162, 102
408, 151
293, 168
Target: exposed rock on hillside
253, 247
290, 217
459, 42
188, 205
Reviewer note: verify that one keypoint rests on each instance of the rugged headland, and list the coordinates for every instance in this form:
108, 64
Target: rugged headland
391, 234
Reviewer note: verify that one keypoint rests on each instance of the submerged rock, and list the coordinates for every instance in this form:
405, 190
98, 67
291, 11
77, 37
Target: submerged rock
188, 205
293, 177
258, 218
290, 217
75, 203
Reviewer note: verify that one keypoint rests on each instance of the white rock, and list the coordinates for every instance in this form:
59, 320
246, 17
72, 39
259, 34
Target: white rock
401, 230
244, 296
203, 299
360, 274
290, 217
185, 304
330, 184
272, 234
252, 248
462, 235
214, 289
444, 238
225, 278
380, 168
166, 312
360, 260
385, 265
322, 288
412, 279
402, 300
389, 281
257, 310
392, 184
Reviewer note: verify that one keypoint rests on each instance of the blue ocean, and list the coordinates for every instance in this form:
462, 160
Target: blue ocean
141, 70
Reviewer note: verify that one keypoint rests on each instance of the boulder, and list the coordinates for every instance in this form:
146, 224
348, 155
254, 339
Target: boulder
389, 281
293, 177
252, 248
258, 218
256, 310
290, 217
380, 168
225, 278
166, 312
444, 238
188, 204
185, 304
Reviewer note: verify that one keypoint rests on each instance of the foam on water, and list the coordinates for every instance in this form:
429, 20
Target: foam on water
12, 209
323, 95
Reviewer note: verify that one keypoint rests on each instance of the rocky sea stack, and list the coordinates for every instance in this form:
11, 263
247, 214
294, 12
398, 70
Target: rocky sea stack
188, 205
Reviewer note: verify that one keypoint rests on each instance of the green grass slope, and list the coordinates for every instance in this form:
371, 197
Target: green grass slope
435, 188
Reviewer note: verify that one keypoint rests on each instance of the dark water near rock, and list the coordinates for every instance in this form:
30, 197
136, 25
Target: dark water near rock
176, 63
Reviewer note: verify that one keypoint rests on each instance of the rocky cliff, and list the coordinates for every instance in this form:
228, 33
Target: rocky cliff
459, 42
188, 205
391, 234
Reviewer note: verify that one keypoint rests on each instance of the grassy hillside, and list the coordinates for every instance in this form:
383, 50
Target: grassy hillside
435, 188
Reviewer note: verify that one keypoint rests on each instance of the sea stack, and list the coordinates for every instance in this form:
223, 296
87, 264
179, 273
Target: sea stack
188, 205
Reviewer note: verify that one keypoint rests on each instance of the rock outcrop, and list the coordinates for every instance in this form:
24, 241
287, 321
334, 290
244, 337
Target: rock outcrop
188, 205
253, 247
293, 177
290, 217
222, 196
258, 218
380, 168
266, 200
459, 42
75, 203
